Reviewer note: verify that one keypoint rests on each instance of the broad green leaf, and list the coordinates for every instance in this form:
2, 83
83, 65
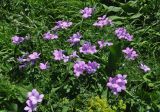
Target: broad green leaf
3, 111
65, 109
114, 58
13, 107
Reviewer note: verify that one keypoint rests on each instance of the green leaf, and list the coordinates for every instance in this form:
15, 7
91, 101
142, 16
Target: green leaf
118, 22
13, 107
54, 90
116, 17
145, 77
129, 7
3, 111
113, 9
65, 109
22, 94
104, 93
114, 58
136, 16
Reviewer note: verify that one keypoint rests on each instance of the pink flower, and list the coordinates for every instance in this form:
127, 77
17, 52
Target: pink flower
144, 67
34, 56
43, 66
58, 54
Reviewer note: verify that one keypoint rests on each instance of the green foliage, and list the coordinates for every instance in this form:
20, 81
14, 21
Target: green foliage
121, 106
63, 92
12, 96
114, 59
97, 104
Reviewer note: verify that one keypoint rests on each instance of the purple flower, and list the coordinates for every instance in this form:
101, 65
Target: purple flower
43, 66
34, 56
86, 12
33, 99
87, 48
144, 67
65, 58
122, 33
130, 53
109, 43
23, 65
62, 25
74, 55
75, 38
117, 83
79, 68
49, 36
22, 59
102, 21
58, 54
92, 67
17, 40
103, 43
30, 106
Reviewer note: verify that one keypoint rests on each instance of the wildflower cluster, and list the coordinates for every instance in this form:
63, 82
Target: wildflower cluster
86, 12
103, 43
75, 38
28, 59
122, 33
34, 97
49, 36
62, 25
59, 55
80, 67
130, 53
102, 21
117, 83
87, 48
